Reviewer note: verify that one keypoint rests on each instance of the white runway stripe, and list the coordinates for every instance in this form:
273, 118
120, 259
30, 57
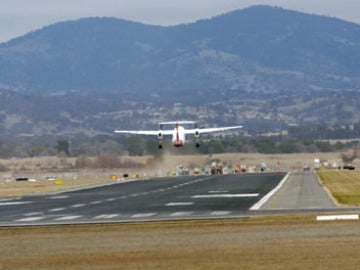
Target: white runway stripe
181, 214
32, 214
143, 215
68, 218
13, 203
338, 217
209, 196
106, 216
220, 213
59, 197
95, 202
30, 219
57, 209
179, 203
78, 205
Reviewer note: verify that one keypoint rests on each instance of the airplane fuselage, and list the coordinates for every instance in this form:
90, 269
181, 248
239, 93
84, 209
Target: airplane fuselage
178, 136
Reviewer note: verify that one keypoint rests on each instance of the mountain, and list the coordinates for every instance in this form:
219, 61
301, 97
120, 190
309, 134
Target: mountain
261, 63
256, 48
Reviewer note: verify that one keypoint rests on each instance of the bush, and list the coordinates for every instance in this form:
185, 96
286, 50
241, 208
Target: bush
83, 162
3, 168
106, 161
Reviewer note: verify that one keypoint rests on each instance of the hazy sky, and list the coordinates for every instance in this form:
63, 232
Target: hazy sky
18, 17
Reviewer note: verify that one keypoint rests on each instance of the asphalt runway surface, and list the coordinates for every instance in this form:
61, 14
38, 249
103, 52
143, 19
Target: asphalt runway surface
175, 198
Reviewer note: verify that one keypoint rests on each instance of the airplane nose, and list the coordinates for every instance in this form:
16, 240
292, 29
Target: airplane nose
178, 143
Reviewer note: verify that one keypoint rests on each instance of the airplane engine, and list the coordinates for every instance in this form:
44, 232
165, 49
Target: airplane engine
197, 134
160, 135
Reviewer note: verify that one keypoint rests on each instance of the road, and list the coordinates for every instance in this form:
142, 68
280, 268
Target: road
199, 197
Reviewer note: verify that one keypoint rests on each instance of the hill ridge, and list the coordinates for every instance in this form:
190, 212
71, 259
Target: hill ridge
261, 63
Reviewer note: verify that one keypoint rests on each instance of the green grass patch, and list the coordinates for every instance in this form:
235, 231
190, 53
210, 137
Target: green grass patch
343, 185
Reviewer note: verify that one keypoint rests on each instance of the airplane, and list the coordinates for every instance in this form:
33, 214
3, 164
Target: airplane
178, 133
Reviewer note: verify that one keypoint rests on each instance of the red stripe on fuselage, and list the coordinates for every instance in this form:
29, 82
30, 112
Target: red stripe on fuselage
177, 142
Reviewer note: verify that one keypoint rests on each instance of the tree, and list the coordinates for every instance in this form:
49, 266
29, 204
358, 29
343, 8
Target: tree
348, 158
63, 146
135, 146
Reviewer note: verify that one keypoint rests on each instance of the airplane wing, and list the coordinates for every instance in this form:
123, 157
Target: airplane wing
145, 132
209, 130
177, 122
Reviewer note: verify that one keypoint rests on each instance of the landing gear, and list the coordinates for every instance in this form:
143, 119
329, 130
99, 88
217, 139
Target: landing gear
197, 145
160, 145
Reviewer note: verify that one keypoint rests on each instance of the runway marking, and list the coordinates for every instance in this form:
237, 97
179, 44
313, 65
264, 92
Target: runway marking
220, 213
264, 199
337, 217
218, 191
59, 197
181, 214
57, 209
10, 199
32, 214
96, 202
68, 218
179, 203
143, 215
110, 200
109, 216
27, 219
209, 196
78, 205
13, 203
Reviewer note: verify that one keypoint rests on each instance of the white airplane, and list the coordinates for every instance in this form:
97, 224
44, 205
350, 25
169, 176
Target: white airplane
178, 133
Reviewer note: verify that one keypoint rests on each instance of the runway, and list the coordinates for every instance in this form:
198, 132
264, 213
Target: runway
200, 197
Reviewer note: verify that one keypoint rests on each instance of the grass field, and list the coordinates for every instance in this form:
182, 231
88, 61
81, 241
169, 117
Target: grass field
292, 242
344, 185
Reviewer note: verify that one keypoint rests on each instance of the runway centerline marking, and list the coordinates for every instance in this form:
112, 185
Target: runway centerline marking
218, 191
78, 205
95, 202
67, 218
143, 215
181, 214
57, 209
30, 219
13, 203
220, 213
210, 196
32, 214
59, 197
106, 216
179, 203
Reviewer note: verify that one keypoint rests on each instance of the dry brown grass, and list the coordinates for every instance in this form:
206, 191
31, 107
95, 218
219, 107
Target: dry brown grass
21, 188
296, 242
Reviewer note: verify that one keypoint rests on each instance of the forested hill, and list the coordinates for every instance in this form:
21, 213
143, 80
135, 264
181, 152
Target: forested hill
255, 49
263, 67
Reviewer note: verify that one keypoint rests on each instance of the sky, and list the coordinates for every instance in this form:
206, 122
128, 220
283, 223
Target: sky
17, 17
